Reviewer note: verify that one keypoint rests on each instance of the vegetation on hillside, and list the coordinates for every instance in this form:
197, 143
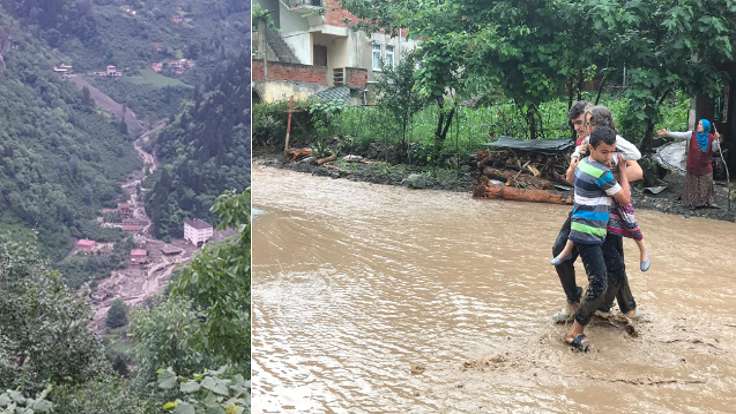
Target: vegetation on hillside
204, 151
61, 159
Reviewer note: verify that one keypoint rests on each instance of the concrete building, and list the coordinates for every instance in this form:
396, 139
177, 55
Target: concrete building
111, 71
315, 47
197, 231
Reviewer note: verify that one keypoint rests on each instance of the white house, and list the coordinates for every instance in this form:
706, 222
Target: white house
315, 47
197, 231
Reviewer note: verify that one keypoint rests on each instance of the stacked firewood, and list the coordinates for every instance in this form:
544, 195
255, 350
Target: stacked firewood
523, 176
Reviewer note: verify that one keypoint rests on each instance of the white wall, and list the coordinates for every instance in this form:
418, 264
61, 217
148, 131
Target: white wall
291, 22
340, 53
301, 44
401, 46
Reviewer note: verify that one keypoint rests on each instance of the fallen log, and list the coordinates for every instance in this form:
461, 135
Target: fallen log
517, 179
295, 154
486, 189
325, 160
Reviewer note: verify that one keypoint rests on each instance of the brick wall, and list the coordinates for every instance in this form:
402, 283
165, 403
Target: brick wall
290, 72
335, 15
356, 77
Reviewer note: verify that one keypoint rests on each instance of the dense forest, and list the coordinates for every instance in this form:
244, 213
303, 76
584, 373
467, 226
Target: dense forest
60, 159
204, 151
133, 35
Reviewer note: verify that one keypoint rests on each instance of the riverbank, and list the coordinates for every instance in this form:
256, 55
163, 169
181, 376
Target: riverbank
464, 179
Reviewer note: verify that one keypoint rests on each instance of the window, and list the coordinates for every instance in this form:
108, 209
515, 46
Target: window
389, 56
376, 56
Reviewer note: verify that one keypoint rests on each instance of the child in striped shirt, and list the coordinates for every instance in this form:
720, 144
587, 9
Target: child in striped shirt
595, 189
622, 222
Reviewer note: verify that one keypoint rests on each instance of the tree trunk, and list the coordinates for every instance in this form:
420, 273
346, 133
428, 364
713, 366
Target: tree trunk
600, 88
646, 142
440, 122
570, 96
531, 122
581, 81
448, 122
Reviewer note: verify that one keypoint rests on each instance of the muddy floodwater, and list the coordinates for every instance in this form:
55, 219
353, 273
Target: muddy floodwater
378, 299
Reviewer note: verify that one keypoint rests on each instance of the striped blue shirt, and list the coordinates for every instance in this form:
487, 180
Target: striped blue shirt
594, 187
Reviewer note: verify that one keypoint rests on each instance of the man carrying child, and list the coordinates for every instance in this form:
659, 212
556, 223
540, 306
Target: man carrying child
595, 186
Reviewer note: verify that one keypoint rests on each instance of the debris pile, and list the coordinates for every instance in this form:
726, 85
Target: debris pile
536, 176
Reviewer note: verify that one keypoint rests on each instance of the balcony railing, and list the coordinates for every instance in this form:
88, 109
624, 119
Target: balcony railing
309, 4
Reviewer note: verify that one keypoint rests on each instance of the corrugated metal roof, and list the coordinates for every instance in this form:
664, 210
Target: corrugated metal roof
336, 93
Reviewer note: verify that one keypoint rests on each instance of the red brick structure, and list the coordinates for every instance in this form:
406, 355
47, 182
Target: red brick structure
290, 72
335, 15
356, 78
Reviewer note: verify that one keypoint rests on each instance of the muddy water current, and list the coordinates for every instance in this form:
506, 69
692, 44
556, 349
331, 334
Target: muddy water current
378, 299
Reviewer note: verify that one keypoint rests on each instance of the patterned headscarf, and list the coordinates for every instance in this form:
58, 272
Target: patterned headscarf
702, 137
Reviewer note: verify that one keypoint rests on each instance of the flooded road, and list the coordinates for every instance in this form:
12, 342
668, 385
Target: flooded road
377, 299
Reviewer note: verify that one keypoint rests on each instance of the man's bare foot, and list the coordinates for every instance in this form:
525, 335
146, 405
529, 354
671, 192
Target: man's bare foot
566, 314
576, 338
632, 314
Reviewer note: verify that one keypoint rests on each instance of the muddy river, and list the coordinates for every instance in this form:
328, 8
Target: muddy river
377, 299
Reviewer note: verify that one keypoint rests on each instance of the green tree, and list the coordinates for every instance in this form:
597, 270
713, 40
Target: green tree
44, 326
87, 97
168, 335
398, 95
123, 124
442, 76
218, 284
117, 315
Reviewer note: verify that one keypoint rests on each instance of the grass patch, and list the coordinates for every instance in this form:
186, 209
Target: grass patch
149, 77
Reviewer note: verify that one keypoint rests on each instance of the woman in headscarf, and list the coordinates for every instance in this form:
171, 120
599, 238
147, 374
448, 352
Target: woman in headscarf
703, 141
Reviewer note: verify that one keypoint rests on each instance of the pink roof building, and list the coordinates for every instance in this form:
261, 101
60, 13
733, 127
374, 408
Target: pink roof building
138, 256
131, 228
86, 245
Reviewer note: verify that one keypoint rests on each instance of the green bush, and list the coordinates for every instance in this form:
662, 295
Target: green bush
101, 395
15, 402
371, 131
220, 391
117, 315
270, 120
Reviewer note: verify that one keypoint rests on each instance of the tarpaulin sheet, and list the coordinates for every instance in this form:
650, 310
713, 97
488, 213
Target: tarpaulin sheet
545, 146
672, 157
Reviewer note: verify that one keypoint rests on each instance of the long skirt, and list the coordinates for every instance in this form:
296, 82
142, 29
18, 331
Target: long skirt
698, 190
622, 222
